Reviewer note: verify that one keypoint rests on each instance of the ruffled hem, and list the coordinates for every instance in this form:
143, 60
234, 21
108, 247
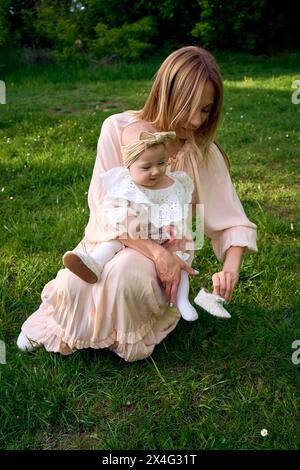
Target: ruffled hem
41, 328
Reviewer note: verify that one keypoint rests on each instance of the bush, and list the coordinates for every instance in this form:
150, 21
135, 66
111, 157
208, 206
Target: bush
257, 26
134, 29
130, 41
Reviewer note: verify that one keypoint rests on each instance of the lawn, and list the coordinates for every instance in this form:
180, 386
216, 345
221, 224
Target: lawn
211, 384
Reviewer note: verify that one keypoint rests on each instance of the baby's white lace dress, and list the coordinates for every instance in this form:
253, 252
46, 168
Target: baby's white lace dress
129, 209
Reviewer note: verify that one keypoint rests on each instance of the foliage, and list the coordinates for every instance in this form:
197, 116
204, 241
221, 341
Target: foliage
134, 29
130, 41
256, 26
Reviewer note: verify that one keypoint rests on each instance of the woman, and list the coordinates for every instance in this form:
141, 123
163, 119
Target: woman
127, 310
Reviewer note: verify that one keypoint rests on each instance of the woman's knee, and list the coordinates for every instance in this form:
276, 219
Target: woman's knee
69, 283
129, 265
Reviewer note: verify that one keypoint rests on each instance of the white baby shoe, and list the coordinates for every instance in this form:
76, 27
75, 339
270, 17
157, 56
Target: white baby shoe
212, 303
25, 344
83, 265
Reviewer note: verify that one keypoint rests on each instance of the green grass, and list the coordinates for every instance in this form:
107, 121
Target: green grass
209, 384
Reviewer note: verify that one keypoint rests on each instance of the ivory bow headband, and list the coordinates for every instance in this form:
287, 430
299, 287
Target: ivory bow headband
130, 153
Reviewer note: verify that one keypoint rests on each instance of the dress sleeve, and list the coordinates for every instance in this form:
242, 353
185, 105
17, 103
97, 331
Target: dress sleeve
108, 156
225, 221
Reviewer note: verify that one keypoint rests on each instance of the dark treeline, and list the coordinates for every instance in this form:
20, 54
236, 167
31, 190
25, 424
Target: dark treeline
70, 29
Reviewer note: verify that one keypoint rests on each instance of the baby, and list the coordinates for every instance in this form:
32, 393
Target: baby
144, 199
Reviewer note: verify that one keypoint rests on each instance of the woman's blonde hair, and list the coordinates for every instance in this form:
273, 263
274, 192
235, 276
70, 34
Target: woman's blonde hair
176, 94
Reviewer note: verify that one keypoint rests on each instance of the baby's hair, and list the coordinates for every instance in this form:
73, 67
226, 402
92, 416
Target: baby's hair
132, 151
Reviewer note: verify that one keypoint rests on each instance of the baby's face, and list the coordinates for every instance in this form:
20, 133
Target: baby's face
150, 168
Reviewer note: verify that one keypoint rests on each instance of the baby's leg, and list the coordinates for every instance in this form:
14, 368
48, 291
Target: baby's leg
89, 266
106, 251
186, 310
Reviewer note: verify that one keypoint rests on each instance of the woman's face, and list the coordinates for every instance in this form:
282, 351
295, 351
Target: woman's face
200, 115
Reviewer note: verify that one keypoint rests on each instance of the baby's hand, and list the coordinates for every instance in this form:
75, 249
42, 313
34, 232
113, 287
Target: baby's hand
168, 232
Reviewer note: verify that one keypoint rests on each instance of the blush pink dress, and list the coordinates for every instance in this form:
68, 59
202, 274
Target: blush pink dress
126, 310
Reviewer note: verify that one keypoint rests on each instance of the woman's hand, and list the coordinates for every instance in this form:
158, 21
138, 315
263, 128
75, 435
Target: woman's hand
168, 268
224, 283
168, 265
